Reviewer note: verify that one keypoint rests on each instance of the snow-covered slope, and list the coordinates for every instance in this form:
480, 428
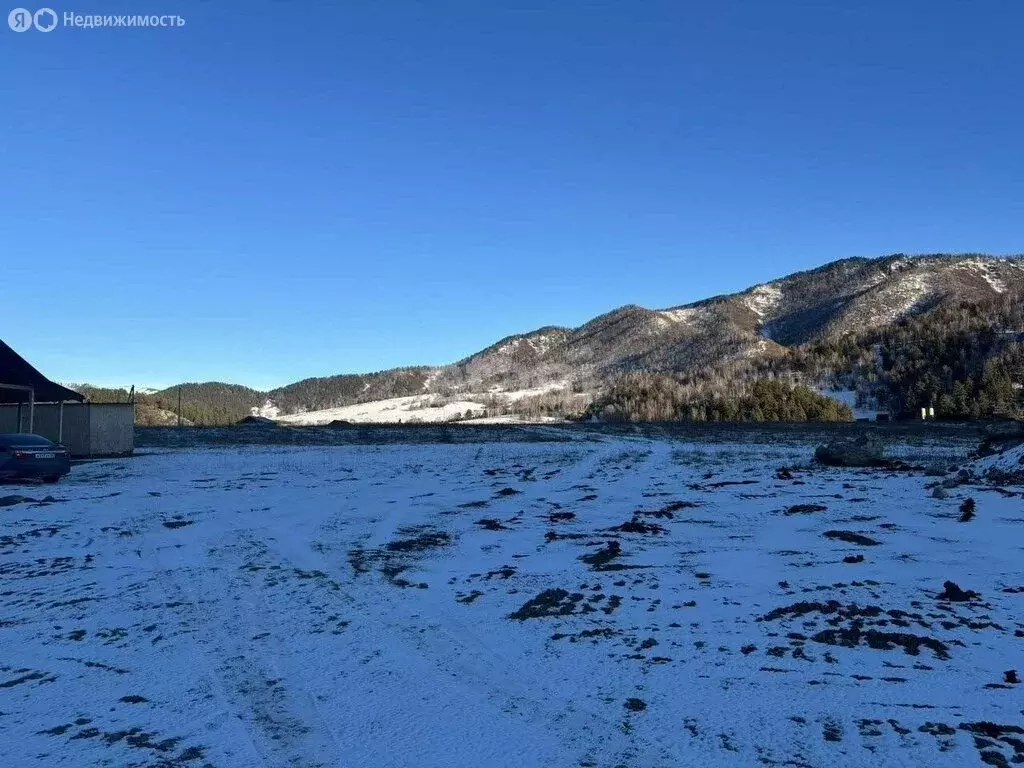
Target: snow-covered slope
268, 410
421, 408
634, 603
1009, 461
393, 410
844, 297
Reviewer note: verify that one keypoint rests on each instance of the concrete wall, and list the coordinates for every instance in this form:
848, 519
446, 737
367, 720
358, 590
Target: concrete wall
112, 428
9, 418
90, 429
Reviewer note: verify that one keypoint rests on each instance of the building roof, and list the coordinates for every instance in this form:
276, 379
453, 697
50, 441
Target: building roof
17, 371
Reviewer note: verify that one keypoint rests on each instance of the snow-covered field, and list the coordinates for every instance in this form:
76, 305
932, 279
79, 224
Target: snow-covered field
614, 602
426, 409
395, 410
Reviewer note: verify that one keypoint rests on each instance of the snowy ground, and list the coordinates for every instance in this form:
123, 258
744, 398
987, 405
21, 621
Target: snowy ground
427, 409
395, 410
615, 602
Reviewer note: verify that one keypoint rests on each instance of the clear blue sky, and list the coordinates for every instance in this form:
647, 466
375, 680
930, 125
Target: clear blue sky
281, 190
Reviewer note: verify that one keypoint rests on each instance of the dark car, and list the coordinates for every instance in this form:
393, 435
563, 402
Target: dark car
24, 457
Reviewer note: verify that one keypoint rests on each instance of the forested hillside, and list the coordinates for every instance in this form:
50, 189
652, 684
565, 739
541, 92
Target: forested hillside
336, 391
208, 403
902, 332
964, 359
660, 397
216, 403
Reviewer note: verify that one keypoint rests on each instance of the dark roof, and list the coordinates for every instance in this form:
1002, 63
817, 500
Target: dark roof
14, 369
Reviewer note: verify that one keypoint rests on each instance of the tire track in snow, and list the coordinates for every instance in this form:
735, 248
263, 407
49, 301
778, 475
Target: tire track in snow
256, 685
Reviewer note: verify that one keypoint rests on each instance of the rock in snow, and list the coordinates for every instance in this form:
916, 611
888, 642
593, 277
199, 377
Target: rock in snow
863, 451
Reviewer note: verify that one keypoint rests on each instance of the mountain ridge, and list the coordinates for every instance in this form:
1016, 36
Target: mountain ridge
852, 297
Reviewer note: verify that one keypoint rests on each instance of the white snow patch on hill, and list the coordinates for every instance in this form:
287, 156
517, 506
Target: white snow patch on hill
754, 349
424, 408
268, 410
898, 297
762, 299
1010, 460
685, 315
539, 344
512, 395
416, 408
982, 268
428, 381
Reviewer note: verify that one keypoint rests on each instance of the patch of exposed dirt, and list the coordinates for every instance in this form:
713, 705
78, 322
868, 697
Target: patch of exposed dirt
550, 602
851, 637
990, 737
593, 635
721, 484
952, 592
490, 524
420, 543
968, 510
162, 749
668, 511
851, 538
805, 509
636, 525
602, 558
20, 539
852, 625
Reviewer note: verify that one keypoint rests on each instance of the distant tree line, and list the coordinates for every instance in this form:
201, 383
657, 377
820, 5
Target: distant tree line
207, 404
216, 404
667, 397
560, 403
337, 391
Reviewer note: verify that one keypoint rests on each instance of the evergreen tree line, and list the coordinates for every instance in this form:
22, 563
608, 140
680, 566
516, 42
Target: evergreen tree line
218, 404
966, 360
208, 404
348, 389
669, 397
